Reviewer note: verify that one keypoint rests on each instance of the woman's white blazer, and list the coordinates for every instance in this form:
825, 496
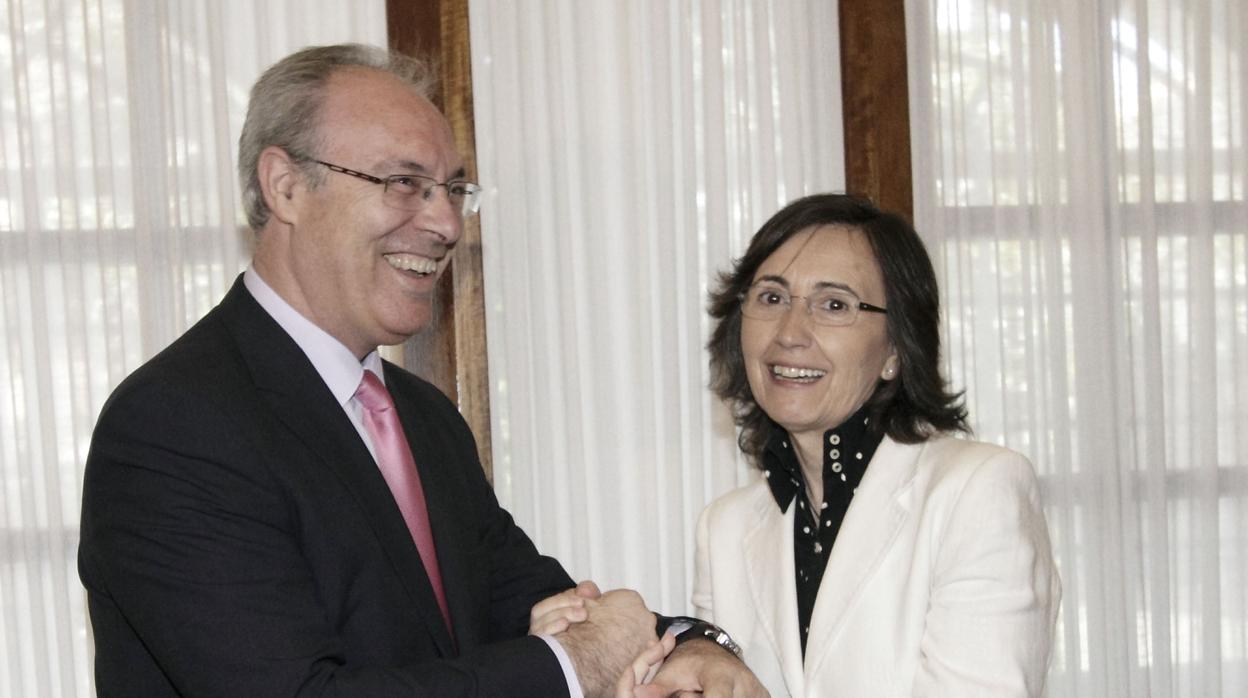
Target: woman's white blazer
941, 581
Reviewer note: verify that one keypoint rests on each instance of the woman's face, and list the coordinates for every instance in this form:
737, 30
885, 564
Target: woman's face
808, 377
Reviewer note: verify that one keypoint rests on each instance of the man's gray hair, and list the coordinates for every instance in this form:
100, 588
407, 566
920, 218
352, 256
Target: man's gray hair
285, 105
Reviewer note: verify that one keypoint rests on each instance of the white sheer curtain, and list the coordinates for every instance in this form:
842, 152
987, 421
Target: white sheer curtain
629, 150
1080, 171
119, 227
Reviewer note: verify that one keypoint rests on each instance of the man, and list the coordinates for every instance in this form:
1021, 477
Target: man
252, 521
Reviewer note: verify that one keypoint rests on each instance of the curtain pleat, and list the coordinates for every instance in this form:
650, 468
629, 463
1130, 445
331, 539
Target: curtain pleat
1079, 171
629, 151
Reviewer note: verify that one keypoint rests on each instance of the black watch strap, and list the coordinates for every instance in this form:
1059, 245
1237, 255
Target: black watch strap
686, 628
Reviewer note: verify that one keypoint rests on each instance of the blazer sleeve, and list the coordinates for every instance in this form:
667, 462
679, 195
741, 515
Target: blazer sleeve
995, 592
702, 596
198, 585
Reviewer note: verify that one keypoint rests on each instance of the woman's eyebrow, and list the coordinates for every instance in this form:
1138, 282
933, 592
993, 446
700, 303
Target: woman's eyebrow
819, 286
773, 278
825, 285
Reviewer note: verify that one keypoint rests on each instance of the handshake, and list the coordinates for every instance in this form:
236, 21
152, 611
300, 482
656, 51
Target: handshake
612, 640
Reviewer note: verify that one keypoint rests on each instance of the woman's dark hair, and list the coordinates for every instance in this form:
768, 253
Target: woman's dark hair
911, 407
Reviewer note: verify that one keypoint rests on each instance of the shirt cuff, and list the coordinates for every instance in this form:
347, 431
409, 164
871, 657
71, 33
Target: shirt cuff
565, 663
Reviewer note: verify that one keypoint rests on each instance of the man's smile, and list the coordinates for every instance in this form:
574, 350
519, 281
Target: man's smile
403, 261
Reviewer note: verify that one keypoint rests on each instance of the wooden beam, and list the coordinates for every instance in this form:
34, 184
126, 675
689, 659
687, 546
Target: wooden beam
451, 352
876, 103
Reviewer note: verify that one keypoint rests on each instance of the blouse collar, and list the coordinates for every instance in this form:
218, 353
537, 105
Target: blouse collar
847, 450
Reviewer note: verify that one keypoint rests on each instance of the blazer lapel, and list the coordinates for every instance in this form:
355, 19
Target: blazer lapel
875, 516
769, 548
303, 403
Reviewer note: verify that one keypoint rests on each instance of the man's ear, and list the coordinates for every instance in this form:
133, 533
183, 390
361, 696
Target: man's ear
280, 176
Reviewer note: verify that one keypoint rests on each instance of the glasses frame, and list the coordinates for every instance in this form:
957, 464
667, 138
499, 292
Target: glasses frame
810, 311
471, 203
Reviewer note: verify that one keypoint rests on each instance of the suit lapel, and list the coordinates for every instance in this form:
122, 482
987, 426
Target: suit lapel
769, 548
300, 400
879, 508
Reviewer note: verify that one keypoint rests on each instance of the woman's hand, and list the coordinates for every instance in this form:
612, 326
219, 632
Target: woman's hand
554, 614
697, 668
644, 666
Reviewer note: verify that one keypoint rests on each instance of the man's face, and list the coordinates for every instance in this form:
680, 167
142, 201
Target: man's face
362, 270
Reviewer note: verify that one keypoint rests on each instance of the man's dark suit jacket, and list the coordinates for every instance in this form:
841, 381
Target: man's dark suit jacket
238, 539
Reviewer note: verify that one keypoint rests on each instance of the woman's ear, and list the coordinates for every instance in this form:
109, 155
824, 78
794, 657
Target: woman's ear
279, 176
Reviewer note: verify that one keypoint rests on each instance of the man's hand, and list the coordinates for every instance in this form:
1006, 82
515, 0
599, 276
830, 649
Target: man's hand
554, 614
618, 629
701, 666
644, 666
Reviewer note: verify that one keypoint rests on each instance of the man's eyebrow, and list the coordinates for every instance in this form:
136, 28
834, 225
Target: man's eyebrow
411, 165
419, 168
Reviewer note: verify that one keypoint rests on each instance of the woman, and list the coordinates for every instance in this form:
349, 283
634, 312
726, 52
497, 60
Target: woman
880, 554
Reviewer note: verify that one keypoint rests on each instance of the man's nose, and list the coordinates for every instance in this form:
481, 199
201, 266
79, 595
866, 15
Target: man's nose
442, 216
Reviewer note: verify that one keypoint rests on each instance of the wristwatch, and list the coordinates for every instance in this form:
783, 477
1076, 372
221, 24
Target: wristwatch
686, 628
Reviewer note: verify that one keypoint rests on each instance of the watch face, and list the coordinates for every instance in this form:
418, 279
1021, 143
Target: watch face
688, 628
679, 626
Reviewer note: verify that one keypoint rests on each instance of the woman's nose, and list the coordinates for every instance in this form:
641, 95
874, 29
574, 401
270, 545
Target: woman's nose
794, 327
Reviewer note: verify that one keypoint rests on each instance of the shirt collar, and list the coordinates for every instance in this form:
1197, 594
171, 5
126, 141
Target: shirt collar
331, 358
847, 450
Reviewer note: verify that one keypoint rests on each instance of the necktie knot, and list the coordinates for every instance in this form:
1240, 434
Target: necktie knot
372, 394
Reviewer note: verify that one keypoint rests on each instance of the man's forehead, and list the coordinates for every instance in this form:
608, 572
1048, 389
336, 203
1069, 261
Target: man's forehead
365, 90
363, 102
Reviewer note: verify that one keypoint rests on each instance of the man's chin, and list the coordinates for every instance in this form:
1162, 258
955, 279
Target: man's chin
412, 323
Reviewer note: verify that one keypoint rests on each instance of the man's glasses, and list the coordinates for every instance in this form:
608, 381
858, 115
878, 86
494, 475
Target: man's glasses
411, 192
831, 308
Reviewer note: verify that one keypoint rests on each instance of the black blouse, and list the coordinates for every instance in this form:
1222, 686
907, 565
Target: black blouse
847, 451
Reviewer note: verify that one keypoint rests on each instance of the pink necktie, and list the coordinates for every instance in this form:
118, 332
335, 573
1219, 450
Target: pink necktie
394, 458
